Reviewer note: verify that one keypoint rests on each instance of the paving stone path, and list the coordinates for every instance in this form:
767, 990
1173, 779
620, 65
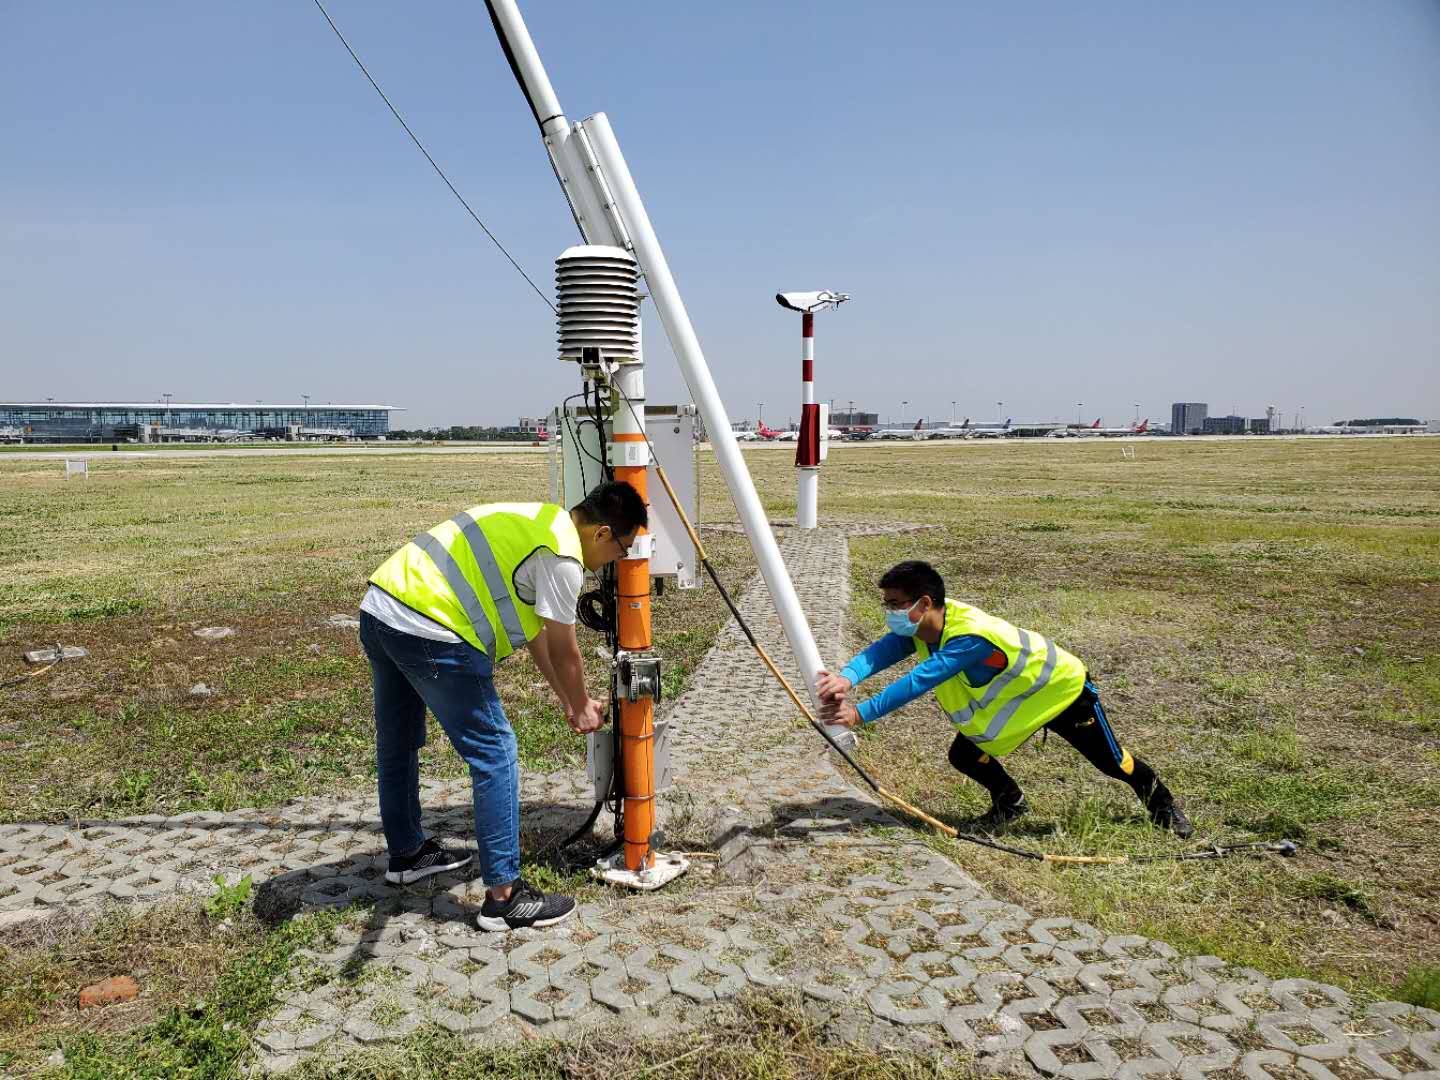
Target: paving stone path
813, 890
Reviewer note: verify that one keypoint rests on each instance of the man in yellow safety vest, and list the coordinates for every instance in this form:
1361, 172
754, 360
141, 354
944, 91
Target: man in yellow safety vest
439, 614
999, 685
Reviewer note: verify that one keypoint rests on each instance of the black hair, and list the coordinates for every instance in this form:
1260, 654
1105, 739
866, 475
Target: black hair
616, 504
915, 579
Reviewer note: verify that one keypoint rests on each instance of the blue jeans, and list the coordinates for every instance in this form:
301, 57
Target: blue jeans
457, 682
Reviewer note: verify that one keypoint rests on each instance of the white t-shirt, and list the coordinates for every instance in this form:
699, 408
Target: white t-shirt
551, 583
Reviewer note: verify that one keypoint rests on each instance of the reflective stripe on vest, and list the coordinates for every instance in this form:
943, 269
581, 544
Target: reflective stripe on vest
462, 572
460, 586
1012, 706
494, 580
1036, 685
997, 684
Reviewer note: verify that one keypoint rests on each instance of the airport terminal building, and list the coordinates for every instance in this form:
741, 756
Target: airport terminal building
149, 421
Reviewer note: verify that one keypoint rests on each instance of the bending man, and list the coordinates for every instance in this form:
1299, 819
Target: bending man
439, 614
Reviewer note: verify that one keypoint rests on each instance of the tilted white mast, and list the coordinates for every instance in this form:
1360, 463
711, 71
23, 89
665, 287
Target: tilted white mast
608, 210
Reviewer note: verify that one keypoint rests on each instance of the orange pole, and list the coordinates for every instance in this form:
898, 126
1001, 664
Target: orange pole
637, 718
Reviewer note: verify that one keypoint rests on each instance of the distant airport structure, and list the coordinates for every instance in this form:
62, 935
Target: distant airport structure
1188, 417
1193, 418
148, 421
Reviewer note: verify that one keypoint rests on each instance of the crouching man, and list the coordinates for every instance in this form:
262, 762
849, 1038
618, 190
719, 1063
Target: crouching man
999, 685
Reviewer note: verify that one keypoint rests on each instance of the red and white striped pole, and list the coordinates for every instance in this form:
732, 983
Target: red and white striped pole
807, 446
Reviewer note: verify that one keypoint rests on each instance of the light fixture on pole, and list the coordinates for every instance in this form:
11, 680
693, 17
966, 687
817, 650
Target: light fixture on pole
1078, 406
807, 443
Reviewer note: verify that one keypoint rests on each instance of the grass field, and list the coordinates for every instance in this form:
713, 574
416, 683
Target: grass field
129, 564
1262, 618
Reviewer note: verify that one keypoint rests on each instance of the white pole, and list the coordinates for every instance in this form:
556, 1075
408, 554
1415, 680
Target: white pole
586, 204
525, 63
807, 498
696, 372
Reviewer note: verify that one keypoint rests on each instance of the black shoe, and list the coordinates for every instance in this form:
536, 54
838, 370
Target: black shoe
527, 906
430, 859
1001, 814
1169, 816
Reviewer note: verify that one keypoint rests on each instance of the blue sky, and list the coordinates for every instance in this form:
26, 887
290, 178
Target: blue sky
1041, 203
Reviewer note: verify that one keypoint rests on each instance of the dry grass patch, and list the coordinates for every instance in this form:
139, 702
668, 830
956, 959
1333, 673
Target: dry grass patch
174, 951
758, 1038
1262, 618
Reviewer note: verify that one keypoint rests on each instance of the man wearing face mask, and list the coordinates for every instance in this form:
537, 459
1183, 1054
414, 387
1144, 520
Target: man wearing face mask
999, 685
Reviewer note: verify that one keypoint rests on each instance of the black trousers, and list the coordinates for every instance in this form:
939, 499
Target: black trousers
1084, 726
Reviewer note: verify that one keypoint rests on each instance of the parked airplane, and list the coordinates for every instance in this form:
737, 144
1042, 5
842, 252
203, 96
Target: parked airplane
954, 431
917, 432
1095, 431
768, 433
794, 436
744, 434
985, 432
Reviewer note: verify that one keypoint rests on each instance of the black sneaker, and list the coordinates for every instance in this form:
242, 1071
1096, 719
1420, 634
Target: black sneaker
527, 906
1001, 814
1169, 816
430, 859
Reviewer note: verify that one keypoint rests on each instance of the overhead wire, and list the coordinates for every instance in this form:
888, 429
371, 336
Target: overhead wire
1215, 851
607, 611
433, 164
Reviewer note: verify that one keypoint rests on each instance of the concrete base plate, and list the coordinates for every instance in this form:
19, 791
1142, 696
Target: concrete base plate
666, 868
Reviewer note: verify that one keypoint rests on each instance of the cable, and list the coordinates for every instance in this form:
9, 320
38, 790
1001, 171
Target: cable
570, 424
596, 610
1284, 848
28, 675
421, 147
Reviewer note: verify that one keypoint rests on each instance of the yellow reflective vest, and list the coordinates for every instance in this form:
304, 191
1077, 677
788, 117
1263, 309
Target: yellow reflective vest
461, 573
1037, 684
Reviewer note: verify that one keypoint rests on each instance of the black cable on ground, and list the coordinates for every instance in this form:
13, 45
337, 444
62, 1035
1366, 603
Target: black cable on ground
1285, 848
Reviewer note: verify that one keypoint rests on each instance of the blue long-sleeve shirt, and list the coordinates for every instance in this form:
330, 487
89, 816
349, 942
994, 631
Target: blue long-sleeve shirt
968, 653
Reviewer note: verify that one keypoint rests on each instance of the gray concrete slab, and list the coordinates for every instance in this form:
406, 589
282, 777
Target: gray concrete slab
879, 937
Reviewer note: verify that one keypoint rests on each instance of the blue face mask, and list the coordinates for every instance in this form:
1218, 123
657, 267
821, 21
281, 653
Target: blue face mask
899, 622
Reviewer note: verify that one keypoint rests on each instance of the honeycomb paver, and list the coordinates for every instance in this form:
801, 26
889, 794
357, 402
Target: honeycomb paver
880, 937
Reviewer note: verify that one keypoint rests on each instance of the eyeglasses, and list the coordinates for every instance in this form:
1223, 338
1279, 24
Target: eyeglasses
903, 605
